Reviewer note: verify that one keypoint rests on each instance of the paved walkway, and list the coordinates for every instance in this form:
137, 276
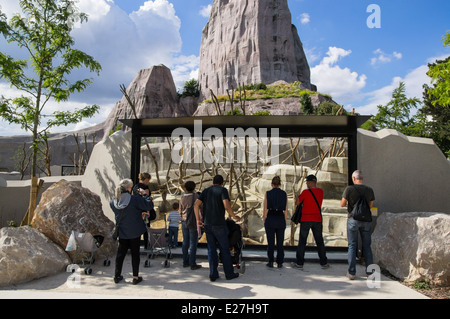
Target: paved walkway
177, 282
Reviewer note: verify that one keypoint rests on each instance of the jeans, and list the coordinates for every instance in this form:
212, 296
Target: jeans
317, 228
217, 237
189, 247
134, 246
173, 236
275, 227
354, 228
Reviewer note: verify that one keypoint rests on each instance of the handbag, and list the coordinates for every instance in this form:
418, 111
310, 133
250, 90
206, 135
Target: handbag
115, 234
297, 214
191, 220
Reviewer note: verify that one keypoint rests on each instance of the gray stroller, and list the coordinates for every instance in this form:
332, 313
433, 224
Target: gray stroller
158, 244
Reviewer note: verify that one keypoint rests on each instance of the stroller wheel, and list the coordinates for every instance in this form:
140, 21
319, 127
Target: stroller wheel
147, 264
88, 271
242, 267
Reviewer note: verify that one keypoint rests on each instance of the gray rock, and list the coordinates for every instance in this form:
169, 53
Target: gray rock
250, 42
26, 255
67, 207
414, 246
154, 94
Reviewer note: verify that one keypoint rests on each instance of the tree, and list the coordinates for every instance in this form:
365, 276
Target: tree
307, 106
438, 120
396, 114
191, 88
43, 32
440, 78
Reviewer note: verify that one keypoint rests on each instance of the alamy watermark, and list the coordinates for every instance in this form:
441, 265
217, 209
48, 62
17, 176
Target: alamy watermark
74, 280
374, 280
237, 146
374, 20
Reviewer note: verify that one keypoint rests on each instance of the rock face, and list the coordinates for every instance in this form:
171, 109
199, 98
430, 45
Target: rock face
26, 254
414, 246
250, 42
65, 207
154, 94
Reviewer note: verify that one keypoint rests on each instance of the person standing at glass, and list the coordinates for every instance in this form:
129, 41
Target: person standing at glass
275, 215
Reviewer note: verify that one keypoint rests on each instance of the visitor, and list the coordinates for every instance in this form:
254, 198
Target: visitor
174, 225
216, 201
354, 227
128, 214
274, 216
190, 234
312, 199
144, 180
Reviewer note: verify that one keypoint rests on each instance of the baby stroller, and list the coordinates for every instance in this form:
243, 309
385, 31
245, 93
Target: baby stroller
85, 246
236, 245
158, 244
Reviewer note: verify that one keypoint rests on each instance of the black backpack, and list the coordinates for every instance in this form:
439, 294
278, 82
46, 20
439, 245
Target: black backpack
361, 211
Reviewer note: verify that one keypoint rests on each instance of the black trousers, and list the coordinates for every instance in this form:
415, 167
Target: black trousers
316, 228
134, 246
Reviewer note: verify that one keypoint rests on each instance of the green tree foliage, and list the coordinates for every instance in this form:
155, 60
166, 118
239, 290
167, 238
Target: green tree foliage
307, 106
396, 114
191, 88
43, 32
437, 117
440, 78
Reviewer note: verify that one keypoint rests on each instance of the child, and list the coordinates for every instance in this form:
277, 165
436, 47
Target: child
174, 220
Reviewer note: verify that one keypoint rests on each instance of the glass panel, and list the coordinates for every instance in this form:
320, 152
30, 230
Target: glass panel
248, 160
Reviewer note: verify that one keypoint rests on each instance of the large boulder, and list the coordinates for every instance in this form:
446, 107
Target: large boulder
414, 246
65, 207
26, 254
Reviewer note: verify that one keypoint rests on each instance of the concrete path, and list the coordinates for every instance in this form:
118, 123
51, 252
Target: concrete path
176, 282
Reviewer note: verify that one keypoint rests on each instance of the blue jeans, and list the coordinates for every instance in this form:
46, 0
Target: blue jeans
217, 237
173, 236
189, 247
355, 227
275, 227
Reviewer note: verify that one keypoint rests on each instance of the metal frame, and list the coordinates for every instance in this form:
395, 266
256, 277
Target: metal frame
288, 126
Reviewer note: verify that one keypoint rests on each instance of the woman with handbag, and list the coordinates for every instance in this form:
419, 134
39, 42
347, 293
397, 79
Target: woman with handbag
275, 215
312, 199
129, 225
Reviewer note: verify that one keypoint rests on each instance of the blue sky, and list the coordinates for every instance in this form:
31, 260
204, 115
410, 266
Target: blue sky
357, 65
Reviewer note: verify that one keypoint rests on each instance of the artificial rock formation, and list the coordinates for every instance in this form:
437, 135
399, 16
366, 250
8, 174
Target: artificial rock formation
250, 42
414, 246
154, 94
26, 254
67, 207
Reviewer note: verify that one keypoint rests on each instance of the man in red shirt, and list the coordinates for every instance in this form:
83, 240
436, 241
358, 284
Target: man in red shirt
312, 199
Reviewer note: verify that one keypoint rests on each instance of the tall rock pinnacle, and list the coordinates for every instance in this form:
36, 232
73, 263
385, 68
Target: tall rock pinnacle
250, 41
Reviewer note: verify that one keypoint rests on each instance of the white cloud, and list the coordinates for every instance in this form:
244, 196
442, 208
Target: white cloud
123, 44
414, 82
205, 11
305, 18
382, 58
340, 83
